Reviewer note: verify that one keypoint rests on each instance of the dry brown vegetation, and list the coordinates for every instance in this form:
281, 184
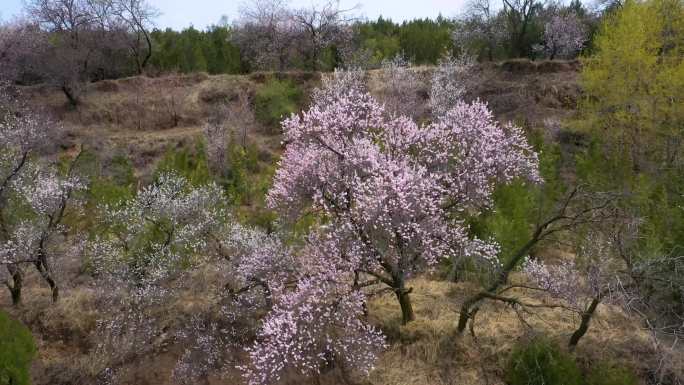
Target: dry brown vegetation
427, 351
143, 116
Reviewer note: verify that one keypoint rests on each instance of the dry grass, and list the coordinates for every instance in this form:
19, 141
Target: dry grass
427, 351
142, 116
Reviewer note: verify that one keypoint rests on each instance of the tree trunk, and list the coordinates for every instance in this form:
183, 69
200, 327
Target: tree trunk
500, 280
73, 100
466, 312
584, 324
47, 276
454, 270
16, 286
406, 307
148, 55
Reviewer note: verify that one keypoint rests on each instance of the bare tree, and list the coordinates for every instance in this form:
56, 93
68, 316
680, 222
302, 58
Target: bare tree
270, 34
20, 46
265, 33
67, 61
576, 209
137, 16
479, 26
85, 40
519, 16
321, 26
229, 122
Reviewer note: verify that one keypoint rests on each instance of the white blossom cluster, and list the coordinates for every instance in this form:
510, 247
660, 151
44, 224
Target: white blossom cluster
163, 227
148, 240
400, 87
205, 354
564, 36
595, 274
450, 81
33, 191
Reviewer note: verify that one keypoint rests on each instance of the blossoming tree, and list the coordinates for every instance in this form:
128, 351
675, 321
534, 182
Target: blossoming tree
564, 36
34, 196
139, 254
597, 276
397, 193
450, 82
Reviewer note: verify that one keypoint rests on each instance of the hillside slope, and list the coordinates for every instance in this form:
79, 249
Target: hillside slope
142, 117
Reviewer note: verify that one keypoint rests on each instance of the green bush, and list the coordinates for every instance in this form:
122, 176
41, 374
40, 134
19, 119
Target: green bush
116, 184
611, 374
518, 206
275, 100
17, 349
542, 362
190, 163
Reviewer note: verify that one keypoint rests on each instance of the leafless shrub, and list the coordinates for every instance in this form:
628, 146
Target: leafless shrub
228, 121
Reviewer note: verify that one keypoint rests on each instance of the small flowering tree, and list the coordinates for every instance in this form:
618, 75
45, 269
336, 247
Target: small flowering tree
399, 87
146, 242
585, 283
564, 36
450, 81
47, 194
577, 208
319, 321
396, 192
33, 197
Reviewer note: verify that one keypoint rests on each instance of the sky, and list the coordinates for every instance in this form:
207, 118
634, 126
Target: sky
178, 14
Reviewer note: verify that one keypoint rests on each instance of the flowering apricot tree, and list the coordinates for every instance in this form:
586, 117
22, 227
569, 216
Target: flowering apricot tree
392, 197
564, 36
37, 193
396, 192
586, 283
450, 81
318, 322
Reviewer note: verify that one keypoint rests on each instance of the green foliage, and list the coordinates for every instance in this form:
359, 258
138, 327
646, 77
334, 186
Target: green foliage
423, 41
247, 181
241, 163
119, 183
542, 362
17, 350
381, 38
275, 100
634, 84
189, 163
191, 50
634, 89
519, 206
611, 374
